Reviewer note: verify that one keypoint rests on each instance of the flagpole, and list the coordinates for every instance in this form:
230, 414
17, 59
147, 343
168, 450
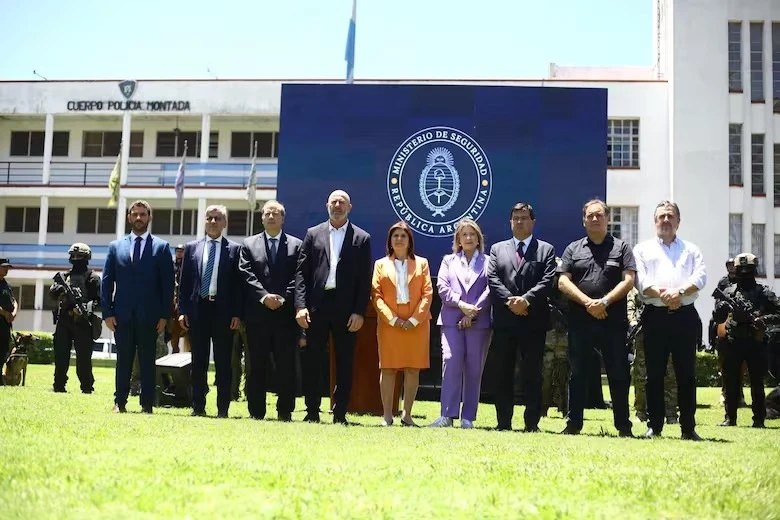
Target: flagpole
252, 190
349, 53
179, 186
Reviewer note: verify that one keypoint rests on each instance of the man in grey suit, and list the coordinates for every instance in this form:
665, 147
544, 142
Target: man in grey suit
520, 275
267, 266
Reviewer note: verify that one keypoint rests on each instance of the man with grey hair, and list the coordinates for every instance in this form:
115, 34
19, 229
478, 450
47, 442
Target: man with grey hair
332, 290
209, 307
267, 267
670, 274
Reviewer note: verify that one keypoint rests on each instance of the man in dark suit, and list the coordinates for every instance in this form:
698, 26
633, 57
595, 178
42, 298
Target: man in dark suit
520, 275
136, 295
268, 263
210, 305
332, 290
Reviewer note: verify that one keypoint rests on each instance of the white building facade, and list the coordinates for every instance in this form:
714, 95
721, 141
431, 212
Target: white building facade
701, 127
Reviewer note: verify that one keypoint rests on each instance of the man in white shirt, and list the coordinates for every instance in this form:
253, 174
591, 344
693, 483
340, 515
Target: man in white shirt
670, 274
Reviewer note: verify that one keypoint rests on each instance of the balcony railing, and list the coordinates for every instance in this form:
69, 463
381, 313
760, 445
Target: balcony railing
234, 175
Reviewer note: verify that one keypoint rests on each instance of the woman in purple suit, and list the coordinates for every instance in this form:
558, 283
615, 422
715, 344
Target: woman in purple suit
465, 324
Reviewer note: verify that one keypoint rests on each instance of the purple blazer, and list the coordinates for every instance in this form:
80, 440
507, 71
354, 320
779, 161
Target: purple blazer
452, 286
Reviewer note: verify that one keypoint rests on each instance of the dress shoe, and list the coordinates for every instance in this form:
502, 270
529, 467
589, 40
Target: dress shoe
406, 421
119, 408
626, 432
146, 409
758, 424
88, 391
60, 390
198, 413
466, 424
312, 417
340, 419
691, 436
386, 422
503, 427
222, 415
284, 417
570, 430
728, 422
532, 429
650, 434
441, 422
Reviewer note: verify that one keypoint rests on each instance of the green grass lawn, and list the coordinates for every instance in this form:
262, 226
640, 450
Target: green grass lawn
67, 456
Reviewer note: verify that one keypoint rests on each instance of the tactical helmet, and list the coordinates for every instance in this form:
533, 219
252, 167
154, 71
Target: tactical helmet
746, 264
80, 249
729, 262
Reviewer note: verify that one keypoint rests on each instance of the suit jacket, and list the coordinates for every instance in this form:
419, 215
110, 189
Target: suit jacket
260, 277
384, 289
532, 279
453, 288
143, 288
353, 272
228, 301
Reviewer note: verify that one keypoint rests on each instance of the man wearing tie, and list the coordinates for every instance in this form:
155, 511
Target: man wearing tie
332, 290
210, 306
136, 295
520, 275
267, 266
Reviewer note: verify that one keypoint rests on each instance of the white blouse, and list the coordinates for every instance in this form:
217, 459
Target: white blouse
401, 281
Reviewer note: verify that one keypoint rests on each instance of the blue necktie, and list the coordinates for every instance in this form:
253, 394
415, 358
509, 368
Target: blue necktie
205, 281
137, 250
520, 254
273, 250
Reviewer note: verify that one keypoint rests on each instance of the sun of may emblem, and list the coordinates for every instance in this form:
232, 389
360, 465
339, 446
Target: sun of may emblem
438, 176
439, 182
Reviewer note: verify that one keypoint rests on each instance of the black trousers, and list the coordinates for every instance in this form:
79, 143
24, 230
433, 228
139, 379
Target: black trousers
208, 328
78, 335
610, 339
131, 336
754, 353
277, 339
530, 344
671, 333
5, 345
328, 319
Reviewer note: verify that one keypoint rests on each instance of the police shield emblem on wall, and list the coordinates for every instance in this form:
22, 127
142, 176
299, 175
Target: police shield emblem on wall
127, 88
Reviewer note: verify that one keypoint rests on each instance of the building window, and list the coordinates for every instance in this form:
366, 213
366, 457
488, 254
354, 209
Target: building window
735, 154
30, 144
173, 222
171, 144
776, 66
623, 143
757, 62
96, 220
757, 247
624, 224
109, 144
241, 144
757, 164
238, 222
735, 234
777, 256
25, 296
55, 222
735, 57
777, 174
22, 220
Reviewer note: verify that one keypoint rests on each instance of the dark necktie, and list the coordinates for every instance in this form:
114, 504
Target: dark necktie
137, 250
205, 281
273, 250
520, 254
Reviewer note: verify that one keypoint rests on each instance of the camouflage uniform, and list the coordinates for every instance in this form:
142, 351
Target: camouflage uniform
239, 350
555, 368
639, 371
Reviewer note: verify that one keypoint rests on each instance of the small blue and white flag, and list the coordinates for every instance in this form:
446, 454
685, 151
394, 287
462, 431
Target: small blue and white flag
180, 178
349, 54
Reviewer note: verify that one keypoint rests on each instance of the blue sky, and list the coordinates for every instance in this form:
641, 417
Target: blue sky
297, 39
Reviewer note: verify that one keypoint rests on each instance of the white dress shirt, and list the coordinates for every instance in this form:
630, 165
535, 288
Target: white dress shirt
402, 287
336, 243
526, 242
278, 238
468, 266
211, 242
673, 266
132, 244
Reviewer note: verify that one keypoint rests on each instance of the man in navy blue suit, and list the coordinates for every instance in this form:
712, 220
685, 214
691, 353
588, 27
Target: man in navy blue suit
210, 306
136, 292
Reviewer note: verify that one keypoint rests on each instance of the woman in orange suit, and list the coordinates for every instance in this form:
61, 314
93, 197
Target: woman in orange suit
402, 293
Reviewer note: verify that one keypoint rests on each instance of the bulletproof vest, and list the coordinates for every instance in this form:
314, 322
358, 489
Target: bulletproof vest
78, 280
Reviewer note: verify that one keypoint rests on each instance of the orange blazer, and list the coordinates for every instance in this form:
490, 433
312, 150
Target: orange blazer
383, 289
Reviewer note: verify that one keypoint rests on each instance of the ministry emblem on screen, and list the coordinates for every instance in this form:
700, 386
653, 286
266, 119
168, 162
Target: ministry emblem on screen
438, 176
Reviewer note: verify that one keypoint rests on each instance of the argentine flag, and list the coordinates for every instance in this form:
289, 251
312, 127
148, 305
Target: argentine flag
349, 55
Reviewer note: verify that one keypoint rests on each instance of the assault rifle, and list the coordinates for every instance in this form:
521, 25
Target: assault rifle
74, 294
744, 308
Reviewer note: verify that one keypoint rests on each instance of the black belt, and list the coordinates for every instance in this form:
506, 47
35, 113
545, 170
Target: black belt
667, 310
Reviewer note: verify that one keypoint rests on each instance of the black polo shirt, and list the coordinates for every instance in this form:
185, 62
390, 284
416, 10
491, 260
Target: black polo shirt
6, 298
596, 269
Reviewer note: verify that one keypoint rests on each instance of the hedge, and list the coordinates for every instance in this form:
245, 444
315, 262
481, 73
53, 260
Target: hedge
42, 351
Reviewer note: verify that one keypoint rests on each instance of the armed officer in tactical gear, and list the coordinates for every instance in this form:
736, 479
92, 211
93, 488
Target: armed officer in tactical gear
748, 309
73, 328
